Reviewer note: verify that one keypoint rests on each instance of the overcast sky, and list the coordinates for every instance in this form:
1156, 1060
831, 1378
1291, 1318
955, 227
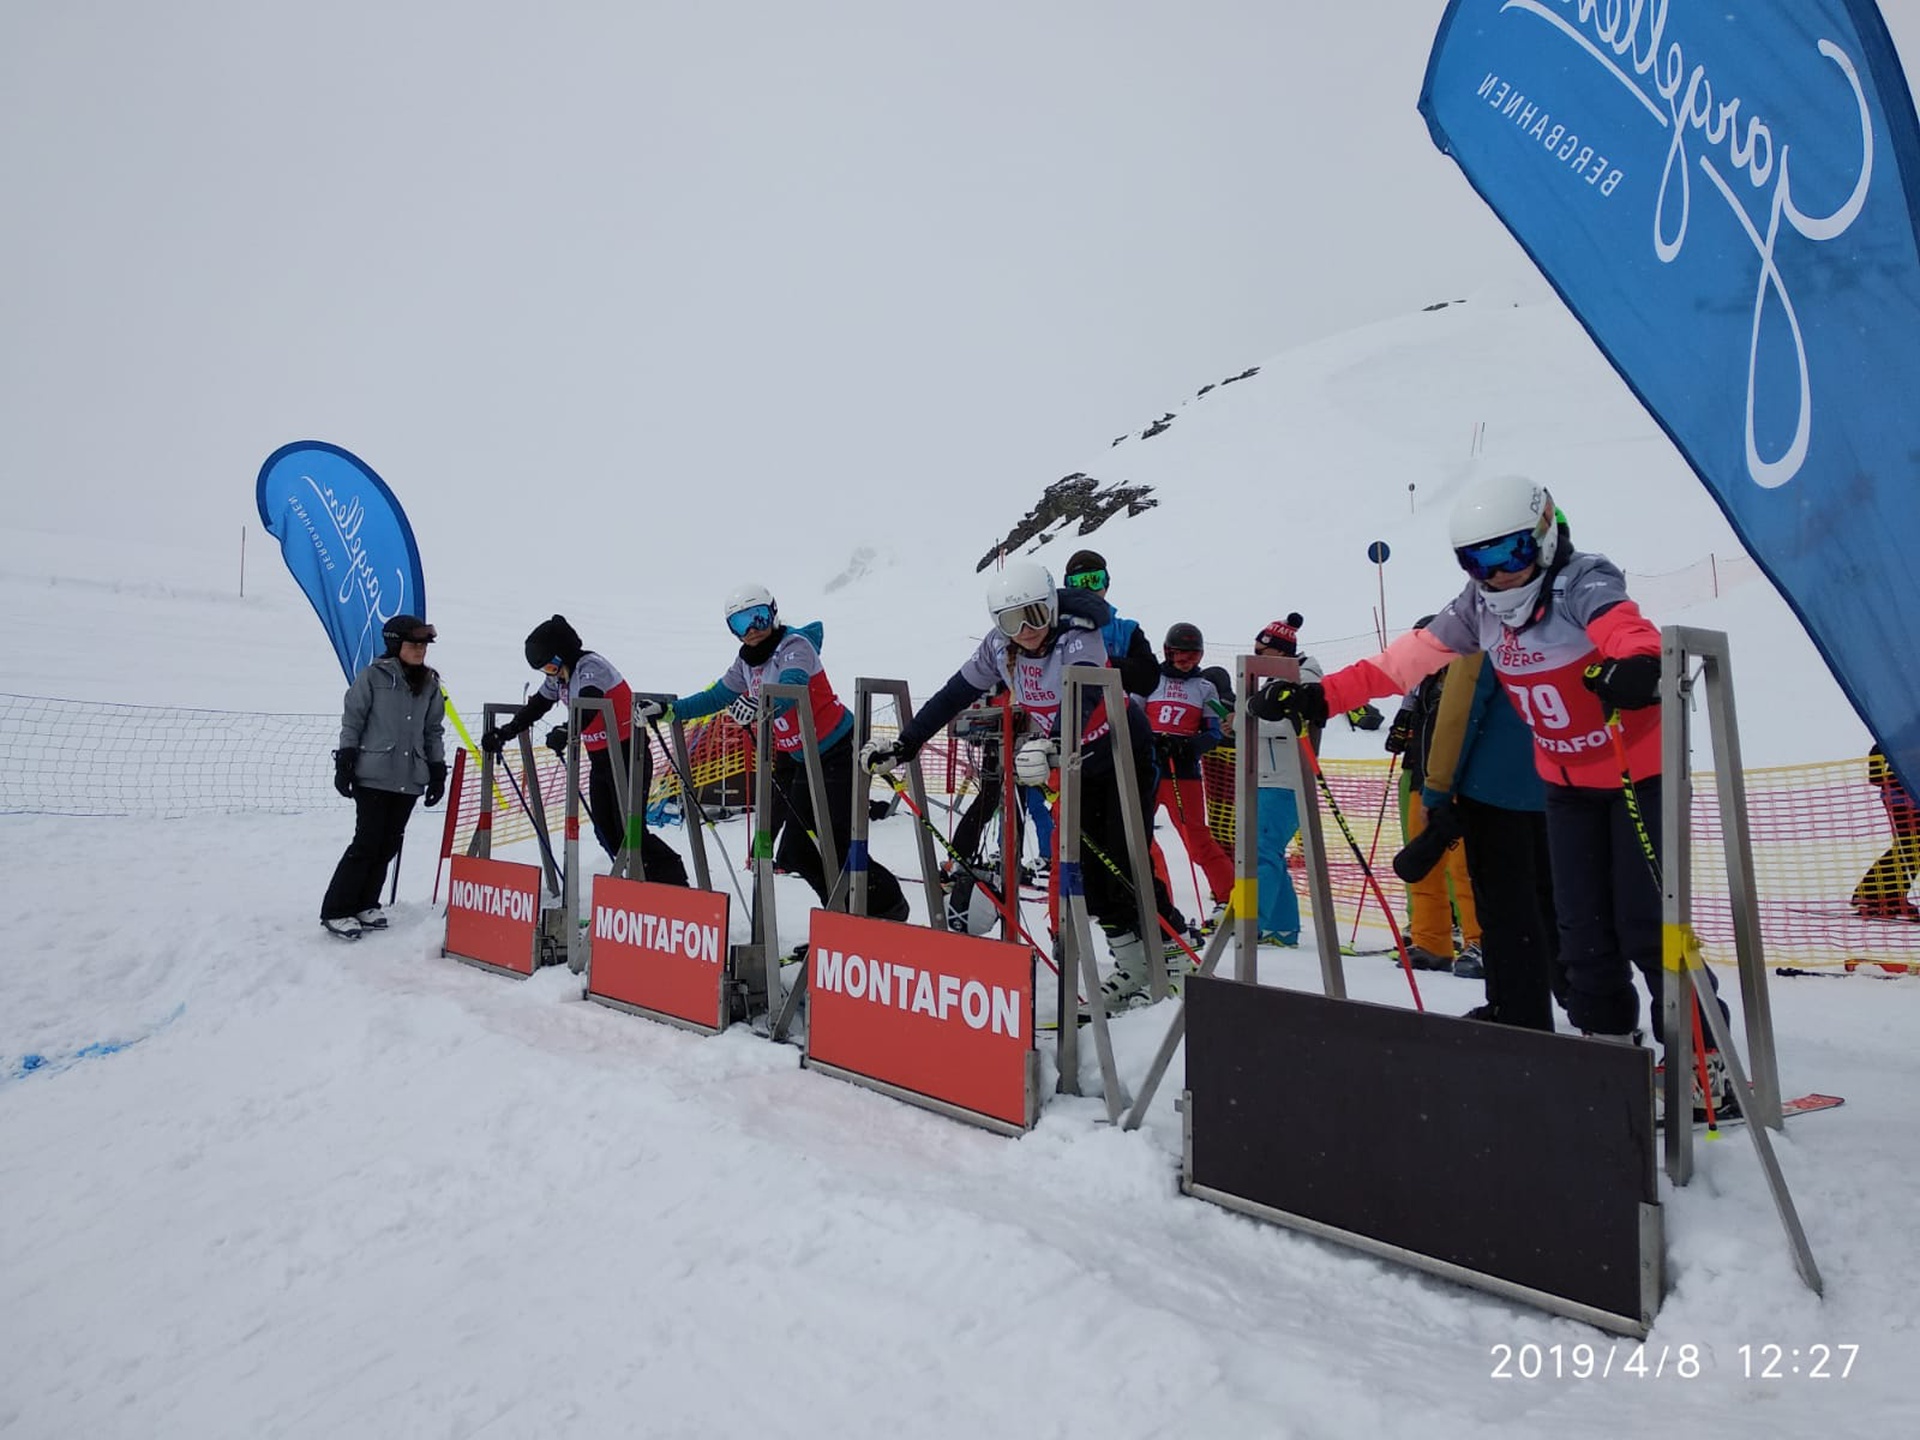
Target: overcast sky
527, 256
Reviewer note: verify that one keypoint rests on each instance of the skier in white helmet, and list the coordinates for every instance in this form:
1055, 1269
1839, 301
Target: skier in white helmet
1038, 631
1576, 658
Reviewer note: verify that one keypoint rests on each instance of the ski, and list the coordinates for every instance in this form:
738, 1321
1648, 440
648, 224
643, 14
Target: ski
1811, 1104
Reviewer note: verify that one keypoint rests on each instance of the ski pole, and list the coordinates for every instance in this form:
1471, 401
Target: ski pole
1406, 960
980, 881
1180, 817
1379, 821
527, 810
693, 799
1121, 875
1614, 731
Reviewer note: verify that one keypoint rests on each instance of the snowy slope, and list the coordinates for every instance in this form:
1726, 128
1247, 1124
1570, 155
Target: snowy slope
631, 306
327, 1190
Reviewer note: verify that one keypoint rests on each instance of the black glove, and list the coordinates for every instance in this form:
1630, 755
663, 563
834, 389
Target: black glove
493, 740
344, 762
1400, 733
436, 781
1174, 749
1424, 851
1629, 683
557, 741
1302, 702
1366, 717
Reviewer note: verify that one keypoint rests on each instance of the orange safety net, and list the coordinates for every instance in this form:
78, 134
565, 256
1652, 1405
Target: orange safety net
1815, 829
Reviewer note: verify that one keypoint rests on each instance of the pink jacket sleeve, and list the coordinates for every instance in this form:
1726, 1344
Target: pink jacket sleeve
1621, 630
1394, 671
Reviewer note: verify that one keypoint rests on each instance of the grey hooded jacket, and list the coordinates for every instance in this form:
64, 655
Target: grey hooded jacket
396, 731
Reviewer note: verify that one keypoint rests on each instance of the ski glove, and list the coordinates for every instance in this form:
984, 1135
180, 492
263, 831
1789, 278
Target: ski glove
1365, 717
436, 781
1174, 749
882, 757
1033, 761
1302, 702
1414, 863
648, 711
1400, 733
344, 763
557, 741
1629, 683
745, 711
493, 740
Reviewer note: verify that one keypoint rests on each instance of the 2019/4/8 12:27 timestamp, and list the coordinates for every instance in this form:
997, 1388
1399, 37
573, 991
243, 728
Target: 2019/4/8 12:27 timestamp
1802, 1362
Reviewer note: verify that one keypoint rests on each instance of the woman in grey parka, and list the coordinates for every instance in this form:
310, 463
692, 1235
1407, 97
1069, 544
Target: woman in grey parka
390, 752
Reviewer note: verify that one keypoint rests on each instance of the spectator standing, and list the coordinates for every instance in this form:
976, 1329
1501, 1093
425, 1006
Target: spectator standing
391, 752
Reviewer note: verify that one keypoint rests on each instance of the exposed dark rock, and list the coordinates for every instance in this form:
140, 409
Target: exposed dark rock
1075, 499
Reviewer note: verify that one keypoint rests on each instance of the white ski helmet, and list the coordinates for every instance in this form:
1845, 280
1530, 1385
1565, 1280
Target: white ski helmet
1504, 508
1022, 594
754, 607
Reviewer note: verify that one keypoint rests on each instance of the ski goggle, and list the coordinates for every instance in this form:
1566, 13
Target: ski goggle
1088, 580
1508, 555
552, 667
424, 635
755, 617
1188, 658
1012, 621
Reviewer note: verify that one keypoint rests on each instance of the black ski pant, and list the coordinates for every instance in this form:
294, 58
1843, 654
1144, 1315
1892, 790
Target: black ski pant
1607, 905
379, 824
1106, 869
660, 862
794, 821
1512, 878
985, 804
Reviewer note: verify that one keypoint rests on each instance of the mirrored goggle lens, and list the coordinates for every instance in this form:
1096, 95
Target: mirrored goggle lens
1509, 554
1013, 621
1088, 580
552, 667
742, 622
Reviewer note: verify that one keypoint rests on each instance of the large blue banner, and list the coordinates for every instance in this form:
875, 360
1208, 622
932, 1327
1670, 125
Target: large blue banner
347, 542
1724, 192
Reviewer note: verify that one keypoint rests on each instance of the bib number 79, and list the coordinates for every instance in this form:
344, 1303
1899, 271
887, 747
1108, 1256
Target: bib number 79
1541, 705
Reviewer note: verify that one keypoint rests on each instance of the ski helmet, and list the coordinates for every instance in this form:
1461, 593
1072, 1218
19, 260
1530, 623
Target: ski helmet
750, 607
1022, 594
554, 639
1504, 523
1087, 570
1184, 636
407, 627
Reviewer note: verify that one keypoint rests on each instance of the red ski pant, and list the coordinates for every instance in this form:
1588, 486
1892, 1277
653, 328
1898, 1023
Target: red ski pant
1186, 802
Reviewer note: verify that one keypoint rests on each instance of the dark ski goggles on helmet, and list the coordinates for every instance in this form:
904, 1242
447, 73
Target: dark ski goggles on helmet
1185, 659
420, 635
1088, 580
755, 617
1510, 554
1016, 618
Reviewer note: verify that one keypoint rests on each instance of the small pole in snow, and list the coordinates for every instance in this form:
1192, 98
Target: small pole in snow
243, 562
1410, 504
1379, 554
1715, 565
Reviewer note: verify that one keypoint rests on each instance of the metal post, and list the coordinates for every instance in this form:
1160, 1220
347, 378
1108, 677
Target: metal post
766, 928
1076, 928
1297, 771
865, 689
1246, 821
